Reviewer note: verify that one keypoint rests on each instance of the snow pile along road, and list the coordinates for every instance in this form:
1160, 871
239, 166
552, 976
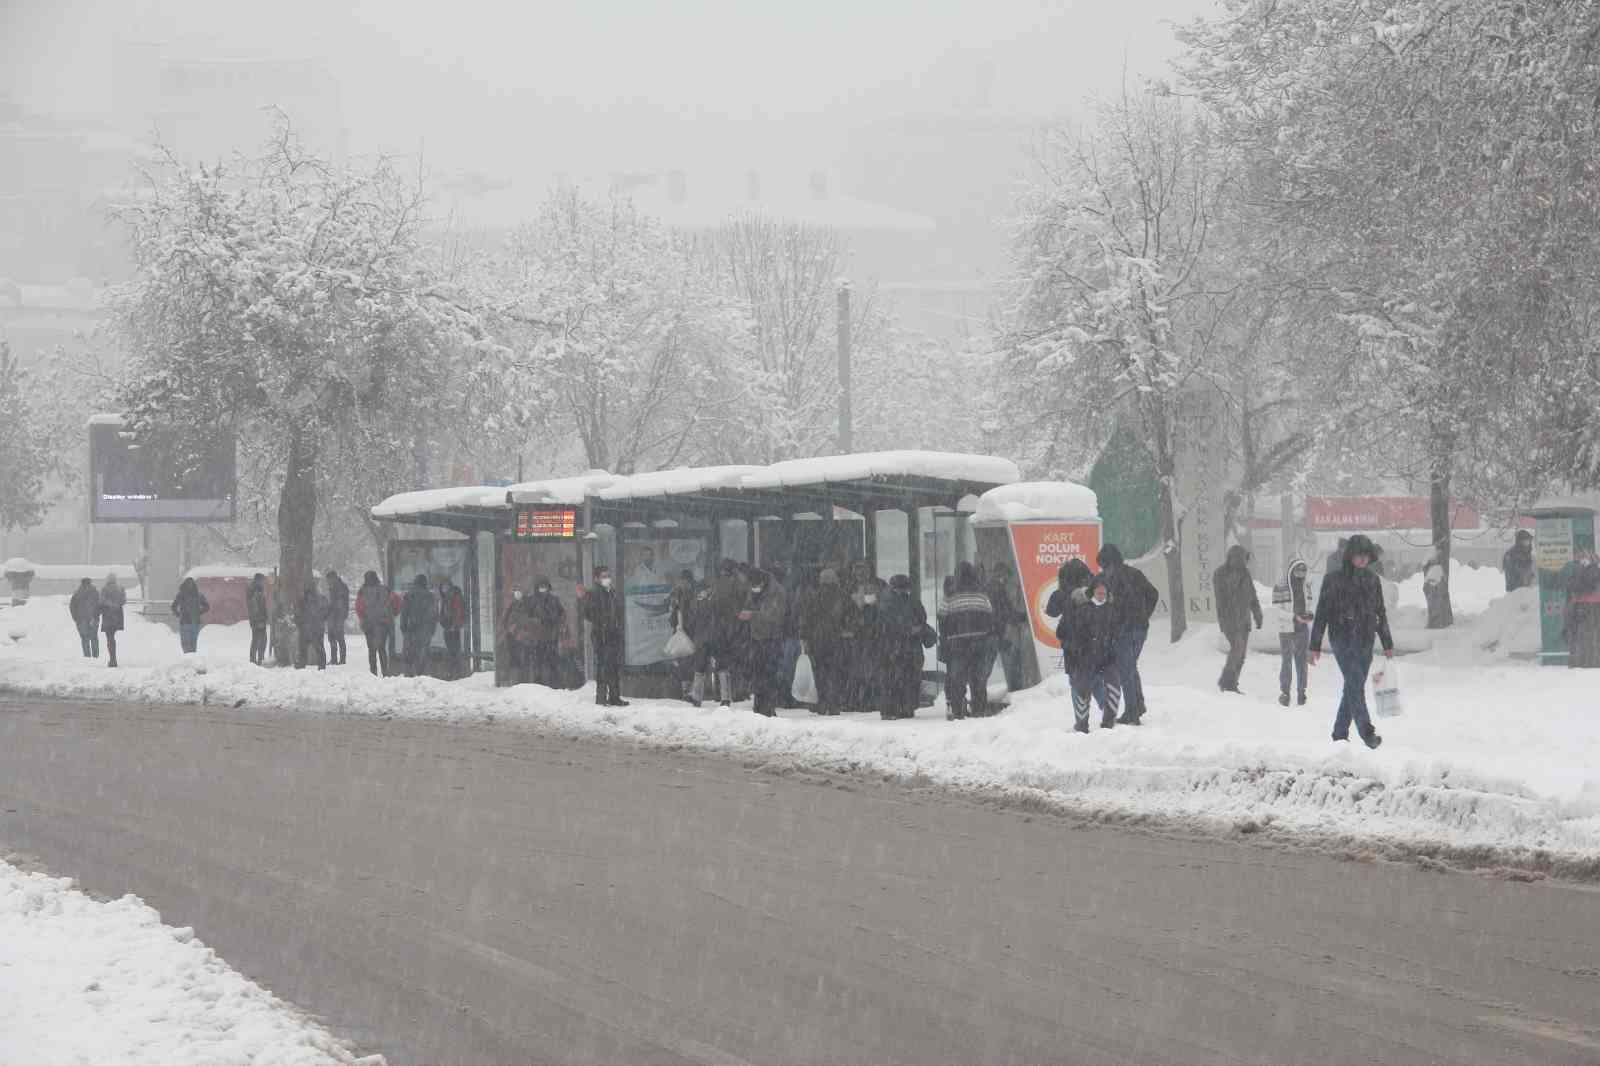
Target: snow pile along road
1492, 753
88, 982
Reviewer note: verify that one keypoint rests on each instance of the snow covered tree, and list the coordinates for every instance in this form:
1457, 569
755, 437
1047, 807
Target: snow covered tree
294, 303
611, 331
1113, 319
25, 457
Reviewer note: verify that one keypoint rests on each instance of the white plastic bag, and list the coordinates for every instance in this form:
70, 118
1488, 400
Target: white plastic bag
679, 646
805, 682
1386, 691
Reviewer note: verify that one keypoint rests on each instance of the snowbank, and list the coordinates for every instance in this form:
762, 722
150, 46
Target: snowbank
1472, 589
88, 982
1490, 753
1037, 500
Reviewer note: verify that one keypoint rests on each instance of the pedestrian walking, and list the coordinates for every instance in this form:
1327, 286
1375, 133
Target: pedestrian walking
1350, 610
1517, 562
188, 607
376, 610
602, 609
338, 616
112, 601
452, 620
966, 625
1089, 628
546, 633
905, 629
824, 617
419, 617
85, 610
311, 624
1237, 605
1292, 600
257, 611
1134, 599
765, 611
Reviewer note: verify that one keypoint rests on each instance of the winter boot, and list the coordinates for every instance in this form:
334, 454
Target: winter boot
697, 689
725, 687
616, 696
1372, 741
1300, 700
1108, 721
1283, 699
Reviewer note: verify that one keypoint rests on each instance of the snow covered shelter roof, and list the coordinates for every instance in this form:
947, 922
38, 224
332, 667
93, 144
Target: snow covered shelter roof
913, 476
1035, 501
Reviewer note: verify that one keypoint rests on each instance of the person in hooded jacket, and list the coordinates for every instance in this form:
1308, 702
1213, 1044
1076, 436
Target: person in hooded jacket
112, 601
257, 610
1090, 625
1134, 599
966, 625
419, 617
1237, 605
546, 632
713, 625
1351, 611
1293, 602
824, 616
865, 680
376, 610
453, 619
312, 622
765, 614
187, 607
1073, 575
338, 614
602, 609
1517, 562
903, 622
85, 610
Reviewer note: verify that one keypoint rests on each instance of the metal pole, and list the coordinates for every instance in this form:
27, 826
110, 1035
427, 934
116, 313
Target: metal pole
844, 366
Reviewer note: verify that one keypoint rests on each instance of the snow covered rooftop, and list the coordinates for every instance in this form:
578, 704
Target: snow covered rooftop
687, 481
1037, 500
226, 570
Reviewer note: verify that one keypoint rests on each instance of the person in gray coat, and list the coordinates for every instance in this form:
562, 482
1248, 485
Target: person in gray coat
112, 600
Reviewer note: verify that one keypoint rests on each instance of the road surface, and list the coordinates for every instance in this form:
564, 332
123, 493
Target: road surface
486, 894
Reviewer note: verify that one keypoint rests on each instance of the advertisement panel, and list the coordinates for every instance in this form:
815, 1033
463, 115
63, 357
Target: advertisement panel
1042, 548
649, 568
1357, 513
159, 477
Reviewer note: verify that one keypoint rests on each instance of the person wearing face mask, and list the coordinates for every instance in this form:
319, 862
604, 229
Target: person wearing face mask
1351, 611
547, 631
602, 609
765, 611
1090, 626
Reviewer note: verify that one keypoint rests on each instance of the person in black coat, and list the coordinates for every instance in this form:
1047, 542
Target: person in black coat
419, 617
1350, 610
902, 621
255, 607
338, 614
187, 607
113, 598
1237, 604
1090, 627
85, 610
1135, 600
602, 609
312, 622
1517, 562
825, 613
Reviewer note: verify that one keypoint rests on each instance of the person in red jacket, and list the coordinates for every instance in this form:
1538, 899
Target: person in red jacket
452, 619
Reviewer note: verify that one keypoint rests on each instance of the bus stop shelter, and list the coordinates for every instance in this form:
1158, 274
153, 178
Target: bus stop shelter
901, 512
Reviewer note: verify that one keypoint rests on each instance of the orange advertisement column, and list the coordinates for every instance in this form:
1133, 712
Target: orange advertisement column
1041, 549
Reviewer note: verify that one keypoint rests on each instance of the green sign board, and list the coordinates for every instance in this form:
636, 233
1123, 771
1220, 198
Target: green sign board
1556, 543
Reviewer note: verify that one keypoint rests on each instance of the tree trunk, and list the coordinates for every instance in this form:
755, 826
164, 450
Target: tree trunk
297, 517
1442, 614
1172, 548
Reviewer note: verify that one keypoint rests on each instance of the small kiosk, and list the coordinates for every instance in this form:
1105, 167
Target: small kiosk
1564, 526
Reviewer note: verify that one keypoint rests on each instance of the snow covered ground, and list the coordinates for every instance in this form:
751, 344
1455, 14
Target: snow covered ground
1492, 752
83, 981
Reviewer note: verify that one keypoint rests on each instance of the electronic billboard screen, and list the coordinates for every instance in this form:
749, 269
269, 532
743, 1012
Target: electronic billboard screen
160, 476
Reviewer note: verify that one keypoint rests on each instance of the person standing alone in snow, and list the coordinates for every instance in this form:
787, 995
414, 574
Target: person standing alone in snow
1294, 629
255, 608
1134, 599
85, 610
112, 600
338, 613
1350, 608
1237, 605
187, 607
602, 609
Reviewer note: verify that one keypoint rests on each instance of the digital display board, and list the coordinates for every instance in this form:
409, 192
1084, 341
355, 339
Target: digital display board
561, 524
160, 476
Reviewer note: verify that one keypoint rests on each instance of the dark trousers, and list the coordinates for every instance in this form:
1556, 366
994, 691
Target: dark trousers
258, 642
1129, 646
1238, 646
607, 667
1293, 646
452, 652
828, 667
337, 652
89, 637
765, 667
864, 687
377, 649
309, 639
791, 658
1354, 663
189, 636
1103, 685
544, 664
111, 647
904, 690
963, 675
417, 644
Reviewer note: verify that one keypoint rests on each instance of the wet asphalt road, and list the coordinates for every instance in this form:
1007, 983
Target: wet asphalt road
482, 894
